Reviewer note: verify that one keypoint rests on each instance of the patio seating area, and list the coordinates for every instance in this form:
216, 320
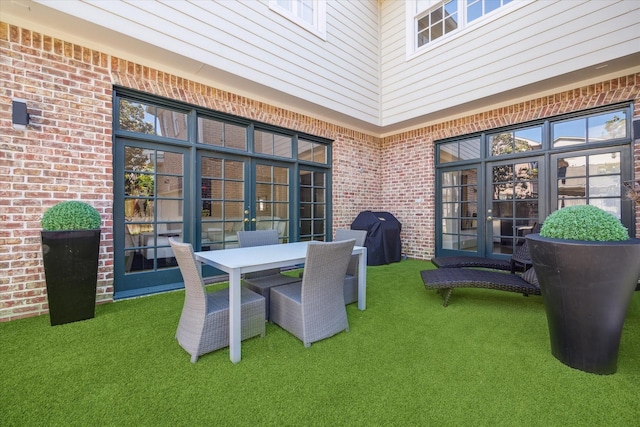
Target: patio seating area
484, 361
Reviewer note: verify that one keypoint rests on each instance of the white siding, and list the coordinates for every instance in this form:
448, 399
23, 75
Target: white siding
248, 40
531, 43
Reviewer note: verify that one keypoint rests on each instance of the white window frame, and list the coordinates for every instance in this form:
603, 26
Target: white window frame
319, 26
412, 16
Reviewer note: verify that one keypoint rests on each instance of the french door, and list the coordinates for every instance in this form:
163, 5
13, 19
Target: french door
512, 203
155, 202
488, 211
237, 194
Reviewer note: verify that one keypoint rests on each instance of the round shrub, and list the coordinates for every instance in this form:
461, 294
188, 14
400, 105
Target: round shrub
584, 222
71, 215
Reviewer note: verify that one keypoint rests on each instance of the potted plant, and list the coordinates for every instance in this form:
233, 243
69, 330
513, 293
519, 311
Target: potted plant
587, 268
70, 247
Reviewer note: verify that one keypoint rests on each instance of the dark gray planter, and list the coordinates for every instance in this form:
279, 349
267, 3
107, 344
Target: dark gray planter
586, 288
71, 272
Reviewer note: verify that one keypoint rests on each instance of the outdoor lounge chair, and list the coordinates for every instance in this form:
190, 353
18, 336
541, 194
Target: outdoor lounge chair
444, 280
520, 260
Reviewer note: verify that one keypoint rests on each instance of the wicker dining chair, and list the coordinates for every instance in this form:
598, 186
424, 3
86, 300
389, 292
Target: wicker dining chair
204, 322
314, 308
262, 281
351, 278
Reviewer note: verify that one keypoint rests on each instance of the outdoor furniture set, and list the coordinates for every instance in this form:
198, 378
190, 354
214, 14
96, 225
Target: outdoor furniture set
311, 308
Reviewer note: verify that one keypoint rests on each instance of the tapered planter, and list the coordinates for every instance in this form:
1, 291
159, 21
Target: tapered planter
586, 288
71, 272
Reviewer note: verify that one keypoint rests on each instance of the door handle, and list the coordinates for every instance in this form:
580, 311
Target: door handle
246, 220
253, 220
489, 218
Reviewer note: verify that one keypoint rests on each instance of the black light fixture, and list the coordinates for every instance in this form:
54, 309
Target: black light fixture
20, 117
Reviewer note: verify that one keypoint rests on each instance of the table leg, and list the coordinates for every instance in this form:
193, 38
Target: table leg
235, 310
362, 280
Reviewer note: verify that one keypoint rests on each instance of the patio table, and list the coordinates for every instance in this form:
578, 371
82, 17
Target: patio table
237, 261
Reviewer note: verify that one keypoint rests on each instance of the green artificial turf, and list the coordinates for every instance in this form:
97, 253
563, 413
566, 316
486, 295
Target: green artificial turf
483, 361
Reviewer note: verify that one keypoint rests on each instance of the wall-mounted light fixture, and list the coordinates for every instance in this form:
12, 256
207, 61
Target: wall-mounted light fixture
20, 117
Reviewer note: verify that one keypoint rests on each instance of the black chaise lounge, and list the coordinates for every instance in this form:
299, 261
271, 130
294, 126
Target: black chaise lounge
520, 259
460, 272
444, 280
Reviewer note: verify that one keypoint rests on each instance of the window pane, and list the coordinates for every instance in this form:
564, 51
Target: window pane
210, 132
607, 126
234, 170
501, 143
569, 133
211, 168
605, 186
135, 118
263, 142
491, 5
305, 150
305, 10
474, 10
448, 152
280, 175
602, 164
172, 124
282, 146
449, 241
529, 139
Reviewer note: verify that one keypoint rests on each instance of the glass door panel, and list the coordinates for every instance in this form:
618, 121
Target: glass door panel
513, 205
222, 196
459, 211
312, 193
149, 213
589, 178
271, 199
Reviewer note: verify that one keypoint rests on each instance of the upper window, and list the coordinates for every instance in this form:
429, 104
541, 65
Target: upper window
309, 14
432, 19
595, 128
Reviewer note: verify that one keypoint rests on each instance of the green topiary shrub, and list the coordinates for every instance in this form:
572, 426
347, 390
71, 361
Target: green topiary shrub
585, 222
71, 215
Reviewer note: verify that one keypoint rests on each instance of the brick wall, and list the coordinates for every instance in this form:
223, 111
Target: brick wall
65, 154
67, 151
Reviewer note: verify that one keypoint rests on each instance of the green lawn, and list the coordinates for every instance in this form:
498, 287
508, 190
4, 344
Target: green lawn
483, 361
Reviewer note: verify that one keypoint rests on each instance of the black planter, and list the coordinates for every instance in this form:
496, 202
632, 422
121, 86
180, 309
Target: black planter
71, 272
586, 288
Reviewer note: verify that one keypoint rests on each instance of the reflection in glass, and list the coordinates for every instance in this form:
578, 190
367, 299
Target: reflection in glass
518, 141
273, 144
153, 207
607, 126
459, 150
605, 186
172, 124
602, 164
572, 187
221, 134
449, 241
152, 120
282, 146
305, 150
134, 118
609, 205
569, 132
